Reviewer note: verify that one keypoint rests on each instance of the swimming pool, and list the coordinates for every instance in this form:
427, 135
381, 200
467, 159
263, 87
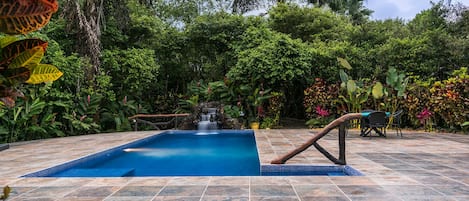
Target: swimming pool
185, 153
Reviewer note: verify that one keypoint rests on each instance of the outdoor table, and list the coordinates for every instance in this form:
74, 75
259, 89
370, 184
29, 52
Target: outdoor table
365, 131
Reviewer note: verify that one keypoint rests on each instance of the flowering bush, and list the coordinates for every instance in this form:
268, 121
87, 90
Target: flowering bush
449, 100
321, 94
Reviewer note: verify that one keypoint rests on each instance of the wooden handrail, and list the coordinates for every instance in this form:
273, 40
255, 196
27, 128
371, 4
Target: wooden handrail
339, 122
159, 115
138, 118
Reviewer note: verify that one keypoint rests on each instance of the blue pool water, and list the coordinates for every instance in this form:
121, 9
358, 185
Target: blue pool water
184, 153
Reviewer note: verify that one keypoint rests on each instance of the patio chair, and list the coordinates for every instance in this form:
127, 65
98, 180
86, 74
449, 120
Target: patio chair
396, 121
364, 129
376, 121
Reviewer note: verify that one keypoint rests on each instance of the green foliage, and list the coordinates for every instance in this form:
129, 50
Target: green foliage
321, 94
274, 62
274, 110
232, 111
82, 120
449, 99
132, 71
356, 93
114, 116
31, 118
308, 24
211, 38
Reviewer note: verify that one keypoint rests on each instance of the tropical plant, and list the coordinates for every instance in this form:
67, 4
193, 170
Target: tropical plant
82, 119
232, 111
321, 94
254, 102
449, 99
274, 110
322, 118
114, 116
397, 84
417, 98
356, 92
425, 119
20, 61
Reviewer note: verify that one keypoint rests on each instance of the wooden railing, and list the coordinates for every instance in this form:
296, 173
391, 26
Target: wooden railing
341, 122
157, 121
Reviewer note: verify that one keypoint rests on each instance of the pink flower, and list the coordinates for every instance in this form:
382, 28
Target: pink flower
424, 115
321, 112
89, 99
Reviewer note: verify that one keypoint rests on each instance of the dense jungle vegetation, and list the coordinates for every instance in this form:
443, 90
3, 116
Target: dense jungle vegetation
313, 61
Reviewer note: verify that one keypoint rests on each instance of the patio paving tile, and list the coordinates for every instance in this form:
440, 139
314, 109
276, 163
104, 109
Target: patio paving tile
267, 198
18, 191
229, 181
394, 180
363, 191
224, 198
375, 198
130, 198
81, 199
192, 190
299, 180
76, 182
148, 181
139, 191
52, 192
176, 198
352, 181
269, 180
305, 191
411, 190
189, 181
459, 190
272, 191
90, 191
331, 198
428, 198
233, 191
33, 199
436, 181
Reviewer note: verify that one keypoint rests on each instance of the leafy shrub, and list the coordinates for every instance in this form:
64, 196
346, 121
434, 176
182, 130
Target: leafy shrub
449, 99
320, 94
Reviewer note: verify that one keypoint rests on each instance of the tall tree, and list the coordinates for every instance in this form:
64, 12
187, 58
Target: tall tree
84, 22
353, 8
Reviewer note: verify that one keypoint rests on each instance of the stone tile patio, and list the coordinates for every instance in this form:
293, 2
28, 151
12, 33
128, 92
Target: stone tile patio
420, 166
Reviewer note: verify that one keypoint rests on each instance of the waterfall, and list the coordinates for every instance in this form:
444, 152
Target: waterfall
208, 120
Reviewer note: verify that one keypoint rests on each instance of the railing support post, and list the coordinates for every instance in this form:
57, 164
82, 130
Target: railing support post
342, 132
